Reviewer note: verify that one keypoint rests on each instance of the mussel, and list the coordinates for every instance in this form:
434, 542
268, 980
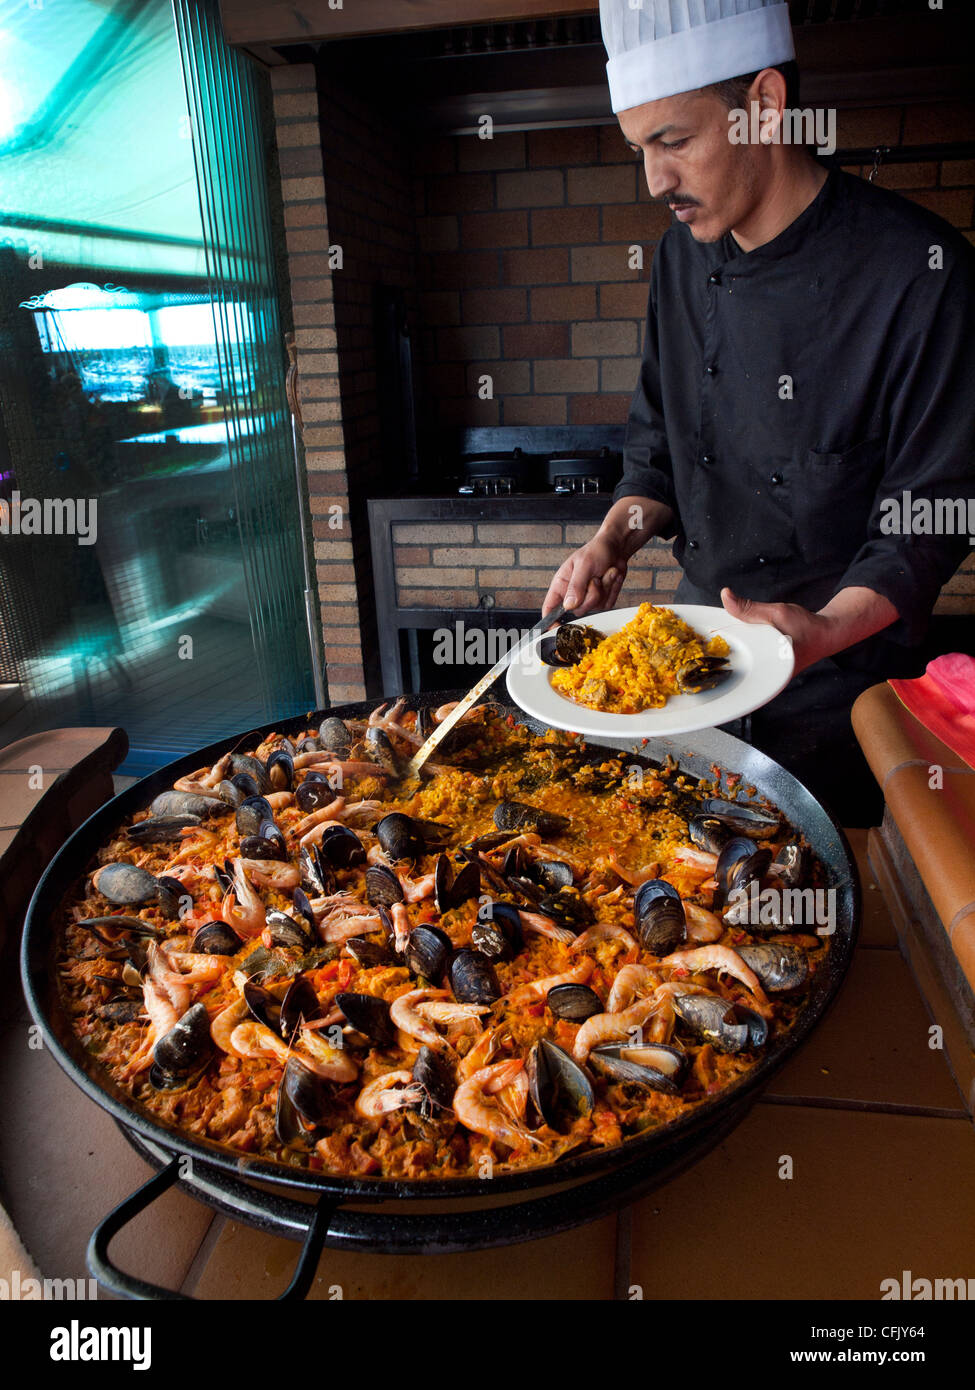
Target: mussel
316, 875
399, 836
173, 803
313, 794
246, 766
428, 951
791, 865
341, 847
499, 936
380, 749
263, 1005
302, 1105
286, 931
709, 833
299, 1005
368, 1015
334, 736
743, 818
120, 930
252, 813
369, 953
216, 939
518, 817
452, 889
126, 885
574, 1002
161, 829
559, 1088
184, 1050
569, 644
739, 864
383, 888
568, 908
659, 915
653, 1066
268, 843
472, 978
431, 1072
779, 966
728, 1027
281, 770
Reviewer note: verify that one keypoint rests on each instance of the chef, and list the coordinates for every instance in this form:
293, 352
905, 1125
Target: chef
808, 379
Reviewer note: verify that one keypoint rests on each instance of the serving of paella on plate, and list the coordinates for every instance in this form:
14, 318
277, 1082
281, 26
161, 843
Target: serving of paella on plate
537, 951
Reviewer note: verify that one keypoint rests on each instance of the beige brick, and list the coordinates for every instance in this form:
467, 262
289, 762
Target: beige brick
317, 411
536, 410
579, 535
954, 603
473, 555
561, 146
536, 340
437, 598
667, 579
602, 263
605, 338
319, 388
613, 148
293, 133
907, 175
505, 151
636, 222
344, 671
302, 239
432, 532
534, 188
507, 378
318, 363
411, 555
421, 577
614, 183
569, 374
302, 190
333, 550
327, 461
342, 655
512, 533
346, 694
454, 193
961, 584
320, 437
521, 598
341, 593
619, 373
338, 613
490, 579
563, 303
469, 344
546, 555
294, 104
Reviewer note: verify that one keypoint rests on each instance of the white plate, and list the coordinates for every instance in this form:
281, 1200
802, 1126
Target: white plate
761, 660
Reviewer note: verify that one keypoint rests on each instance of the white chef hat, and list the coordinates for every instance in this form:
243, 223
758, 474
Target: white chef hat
658, 48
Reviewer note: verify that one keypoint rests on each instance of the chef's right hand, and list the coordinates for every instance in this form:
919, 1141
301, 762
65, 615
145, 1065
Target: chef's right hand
590, 579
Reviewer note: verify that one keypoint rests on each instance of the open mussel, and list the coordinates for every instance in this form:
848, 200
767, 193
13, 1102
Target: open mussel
739, 864
380, 750
299, 1005
369, 1016
472, 978
431, 1072
499, 936
709, 833
216, 939
281, 770
779, 966
313, 794
700, 673
245, 766
452, 889
791, 865
263, 1005
233, 796
383, 888
518, 817
400, 836
303, 1104
428, 952
569, 644
659, 915
287, 931
184, 1050
252, 813
268, 843
574, 1002
653, 1066
727, 1026
568, 908
316, 875
560, 1090
341, 847
369, 953
742, 818
121, 931
161, 829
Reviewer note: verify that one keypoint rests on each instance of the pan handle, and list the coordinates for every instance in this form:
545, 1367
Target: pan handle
128, 1286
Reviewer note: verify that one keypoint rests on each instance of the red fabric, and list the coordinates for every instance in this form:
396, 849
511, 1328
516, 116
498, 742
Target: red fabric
943, 700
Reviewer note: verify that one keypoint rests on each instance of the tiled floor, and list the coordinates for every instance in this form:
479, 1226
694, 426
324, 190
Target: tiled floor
857, 1164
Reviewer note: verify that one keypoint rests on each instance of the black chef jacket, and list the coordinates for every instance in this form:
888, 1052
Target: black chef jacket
785, 391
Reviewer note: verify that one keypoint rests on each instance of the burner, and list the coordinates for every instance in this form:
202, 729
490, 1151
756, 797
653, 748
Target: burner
498, 474
584, 470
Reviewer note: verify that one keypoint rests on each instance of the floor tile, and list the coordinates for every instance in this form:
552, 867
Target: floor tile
872, 1047
871, 1195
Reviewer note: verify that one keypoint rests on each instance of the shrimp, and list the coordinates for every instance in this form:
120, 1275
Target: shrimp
324, 813
341, 926
473, 1110
224, 1024
446, 1011
279, 800
535, 921
253, 1039
603, 931
700, 859
631, 982
401, 926
609, 1027
512, 1096
313, 836
702, 925
403, 1012
204, 781
484, 1049
196, 968
414, 890
722, 959
378, 1098
162, 1017
272, 873
165, 973
634, 877
537, 989
242, 908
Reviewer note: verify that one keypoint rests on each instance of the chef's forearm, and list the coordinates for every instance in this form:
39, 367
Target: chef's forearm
631, 521
853, 615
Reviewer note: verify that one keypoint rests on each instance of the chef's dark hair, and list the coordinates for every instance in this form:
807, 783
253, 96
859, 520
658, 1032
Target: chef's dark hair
734, 91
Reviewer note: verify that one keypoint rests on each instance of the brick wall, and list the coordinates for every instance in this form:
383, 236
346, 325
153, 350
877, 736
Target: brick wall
518, 249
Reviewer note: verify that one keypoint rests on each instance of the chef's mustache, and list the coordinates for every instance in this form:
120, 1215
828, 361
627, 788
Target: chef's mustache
675, 202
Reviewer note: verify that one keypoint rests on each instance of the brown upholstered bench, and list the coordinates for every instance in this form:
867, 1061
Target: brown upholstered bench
49, 784
923, 856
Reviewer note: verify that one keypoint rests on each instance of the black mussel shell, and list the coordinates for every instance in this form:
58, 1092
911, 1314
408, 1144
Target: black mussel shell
568, 907
472, 978
216, 939
316, 876
499, 936
246, 766
381, 750
120, 930
573, 641
726, 1026
311, 744
574, 1002
779, 967
369, 953
300, 1004
435, 834
173, 803
551, 873
252, 814
792, 865
303, 1104
161, 829
334, 735
742, 818
312, 795
266, 846
170, 894
739, 864
653, 1066
126, 885
432, 1073
559, 1088
232, 795
517, 816
341, 847
428, 951
303, 908
709, 833
400, 836
451, 890
187, 1045
659, 915
383, 888
264, 1006
224, 874
286, 931
120, 1010
246, 785
281, 770
368, 1015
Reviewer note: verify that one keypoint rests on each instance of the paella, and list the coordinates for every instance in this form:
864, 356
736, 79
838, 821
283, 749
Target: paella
543, 948
653, 656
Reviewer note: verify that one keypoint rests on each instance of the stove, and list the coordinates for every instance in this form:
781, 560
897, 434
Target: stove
512, 461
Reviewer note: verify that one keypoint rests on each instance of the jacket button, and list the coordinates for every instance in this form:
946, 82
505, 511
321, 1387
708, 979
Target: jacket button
707, 460
762, 560
776, 480
692, 545
711, 368
714, 278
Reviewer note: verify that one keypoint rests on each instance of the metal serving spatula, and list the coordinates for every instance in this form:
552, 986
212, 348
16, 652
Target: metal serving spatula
557, 615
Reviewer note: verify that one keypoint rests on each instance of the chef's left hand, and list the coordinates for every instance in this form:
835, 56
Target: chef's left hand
850, 616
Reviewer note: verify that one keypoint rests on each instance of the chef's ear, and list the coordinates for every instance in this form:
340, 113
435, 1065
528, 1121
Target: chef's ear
769, 91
